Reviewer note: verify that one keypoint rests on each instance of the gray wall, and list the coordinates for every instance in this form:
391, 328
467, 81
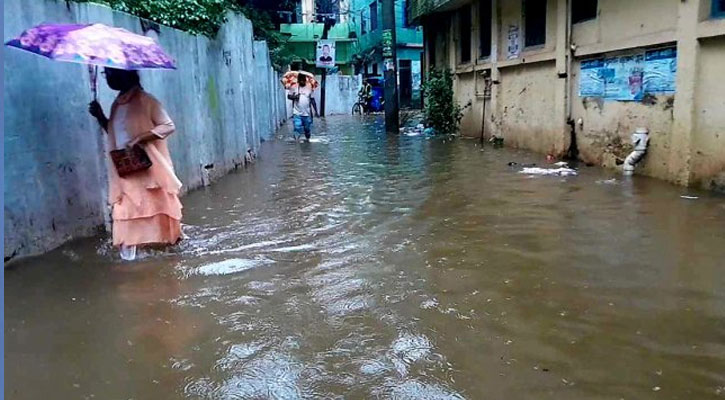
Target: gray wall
225, 98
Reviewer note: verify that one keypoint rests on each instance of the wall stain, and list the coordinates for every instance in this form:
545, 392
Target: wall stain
213, 95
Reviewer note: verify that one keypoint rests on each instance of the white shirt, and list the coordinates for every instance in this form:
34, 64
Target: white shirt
302, 106
119, 126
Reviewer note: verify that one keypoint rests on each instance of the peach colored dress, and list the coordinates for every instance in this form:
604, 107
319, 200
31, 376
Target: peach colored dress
146, 206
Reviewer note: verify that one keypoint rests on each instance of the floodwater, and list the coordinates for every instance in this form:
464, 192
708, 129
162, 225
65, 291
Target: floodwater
362, 266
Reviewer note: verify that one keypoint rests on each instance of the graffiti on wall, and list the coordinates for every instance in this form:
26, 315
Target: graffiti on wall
630, 77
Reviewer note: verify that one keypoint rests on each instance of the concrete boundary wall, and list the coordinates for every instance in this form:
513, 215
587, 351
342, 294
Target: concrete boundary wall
225, 98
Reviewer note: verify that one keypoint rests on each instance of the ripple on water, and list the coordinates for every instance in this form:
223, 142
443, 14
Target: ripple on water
430, 303
408, 349
237, 355
339, 294
374, 367
227, 267
291, 249
411, 347
414, 389
271, 375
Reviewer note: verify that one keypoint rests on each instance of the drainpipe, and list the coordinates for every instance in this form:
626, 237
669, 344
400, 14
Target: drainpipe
573, 151
486, 96
640, 140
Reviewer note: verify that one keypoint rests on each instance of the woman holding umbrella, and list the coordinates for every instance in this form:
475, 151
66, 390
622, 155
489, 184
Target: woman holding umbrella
143, 187
146, 206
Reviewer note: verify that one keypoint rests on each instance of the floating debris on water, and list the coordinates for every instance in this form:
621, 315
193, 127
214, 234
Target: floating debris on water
548, 171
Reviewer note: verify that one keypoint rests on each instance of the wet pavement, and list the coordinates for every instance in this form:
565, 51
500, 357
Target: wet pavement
362, 266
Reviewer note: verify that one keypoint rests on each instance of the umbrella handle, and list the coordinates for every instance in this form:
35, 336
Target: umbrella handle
93, 73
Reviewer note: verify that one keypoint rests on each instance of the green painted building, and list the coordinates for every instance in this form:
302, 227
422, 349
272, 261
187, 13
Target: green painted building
303, 40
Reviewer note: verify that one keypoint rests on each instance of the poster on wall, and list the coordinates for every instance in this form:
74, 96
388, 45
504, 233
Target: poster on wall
325, 55
513, 48
591, 81
660, 70
623, 78
629, 78
389, 65
415, 72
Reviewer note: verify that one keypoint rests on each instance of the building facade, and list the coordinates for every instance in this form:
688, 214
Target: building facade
578, 77
303, 40
328, 20
367, 17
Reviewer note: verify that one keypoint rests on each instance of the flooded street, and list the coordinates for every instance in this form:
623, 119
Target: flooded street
364, 266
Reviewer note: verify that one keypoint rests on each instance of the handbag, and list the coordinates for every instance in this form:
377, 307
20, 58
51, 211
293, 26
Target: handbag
130, 161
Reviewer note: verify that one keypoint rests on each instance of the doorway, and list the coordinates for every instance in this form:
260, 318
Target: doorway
406, 83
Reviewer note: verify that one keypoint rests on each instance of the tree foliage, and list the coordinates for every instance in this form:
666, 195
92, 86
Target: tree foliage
199, 17
441, 111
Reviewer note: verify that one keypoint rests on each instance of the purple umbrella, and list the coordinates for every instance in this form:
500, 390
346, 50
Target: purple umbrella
95, 45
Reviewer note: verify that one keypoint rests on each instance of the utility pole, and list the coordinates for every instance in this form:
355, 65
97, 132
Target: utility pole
328, 23
390, 63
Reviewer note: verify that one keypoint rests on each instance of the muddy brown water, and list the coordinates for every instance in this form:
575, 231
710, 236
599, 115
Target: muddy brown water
368, 267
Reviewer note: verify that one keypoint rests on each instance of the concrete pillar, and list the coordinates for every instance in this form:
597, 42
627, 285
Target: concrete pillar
562, 96
561, 36
452, 42
683, 111
308, 11
495, 73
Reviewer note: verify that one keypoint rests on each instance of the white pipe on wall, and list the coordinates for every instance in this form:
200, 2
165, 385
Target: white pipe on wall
640, 140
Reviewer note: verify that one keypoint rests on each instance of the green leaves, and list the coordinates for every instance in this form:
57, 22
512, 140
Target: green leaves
199, 17
441, 111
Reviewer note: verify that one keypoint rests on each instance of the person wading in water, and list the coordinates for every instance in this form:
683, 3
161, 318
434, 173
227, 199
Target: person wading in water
146, 205
301, 115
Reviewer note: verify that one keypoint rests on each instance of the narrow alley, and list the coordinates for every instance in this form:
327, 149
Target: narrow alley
367, 266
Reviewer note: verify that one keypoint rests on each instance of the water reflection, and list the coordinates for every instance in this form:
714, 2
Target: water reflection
368, 266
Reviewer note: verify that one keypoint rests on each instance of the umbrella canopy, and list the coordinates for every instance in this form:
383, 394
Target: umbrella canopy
289, 79
95, 44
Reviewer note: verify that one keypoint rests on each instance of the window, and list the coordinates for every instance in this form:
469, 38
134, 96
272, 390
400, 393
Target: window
431, 49
534, 23
373, 16
718, 8
484, 25
362, 23
405, 10
464, 32
583, 10
375, 69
